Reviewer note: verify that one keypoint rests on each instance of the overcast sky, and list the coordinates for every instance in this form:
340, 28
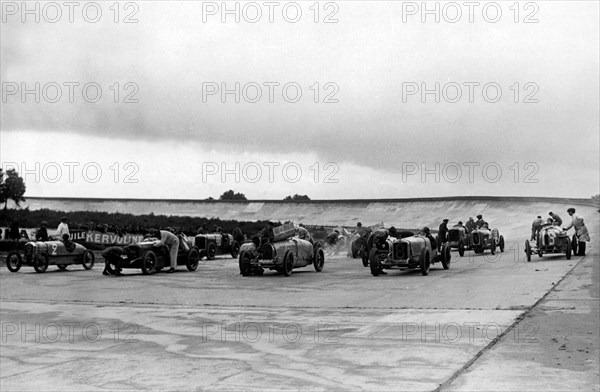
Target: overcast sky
369, 135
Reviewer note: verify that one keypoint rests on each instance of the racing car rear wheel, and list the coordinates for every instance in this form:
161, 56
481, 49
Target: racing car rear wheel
493, 248
574, 244
364, 256
288, 263
62, 267
528, 250
425, 262
211, 251
569, 250
461, 249
40, 263
14, 261
88, 260
374, 262
319, 260
501, 244
244, 264
149, 262
235, 249
446, 256
193, 259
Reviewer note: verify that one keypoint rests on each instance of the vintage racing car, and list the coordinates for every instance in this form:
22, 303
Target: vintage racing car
482, 239
459, 239
41, 254
409, 252
151, 258
282, 256
214, 244
550, 239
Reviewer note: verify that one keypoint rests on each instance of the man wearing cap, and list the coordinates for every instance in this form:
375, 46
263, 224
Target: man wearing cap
63, 228
42, 232
443, 231
480, 222
580, 230
536, 226
555, 218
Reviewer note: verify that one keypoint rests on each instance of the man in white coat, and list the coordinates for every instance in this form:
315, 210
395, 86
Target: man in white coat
580, 230
63, 229
172, 242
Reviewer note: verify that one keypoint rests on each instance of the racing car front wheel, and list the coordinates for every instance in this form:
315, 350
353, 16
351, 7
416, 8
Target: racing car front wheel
40, 264
574, 244
425, 262
493, 248
211, 251
244, 264
319, 260
528, 250
501, 244
149, 262
88, 260
374, 262
461, 249
288, 263
364, 256
193, 259
235, 249
446, 256
568, 250
14, 261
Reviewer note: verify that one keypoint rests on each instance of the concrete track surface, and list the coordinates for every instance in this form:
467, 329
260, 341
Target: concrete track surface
486, 324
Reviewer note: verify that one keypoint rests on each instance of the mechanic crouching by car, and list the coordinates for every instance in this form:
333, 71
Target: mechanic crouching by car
378, 239
580, 230
172, 242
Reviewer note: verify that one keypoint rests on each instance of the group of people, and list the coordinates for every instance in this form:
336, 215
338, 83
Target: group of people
577, 223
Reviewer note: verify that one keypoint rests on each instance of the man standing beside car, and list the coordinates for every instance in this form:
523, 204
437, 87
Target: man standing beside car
63, 228
443, 231
172, 242
580, 230
536, 226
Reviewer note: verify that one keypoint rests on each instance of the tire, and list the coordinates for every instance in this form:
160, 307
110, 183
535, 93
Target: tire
574, 245
528, 250
193, 259
14, 261
493, 247
110, 267
568, 251
425, 261
62, 267
319, 260
211, 251
501, 244
235, 249
461, 249
87, 260
582, 246
288, 263
374, 262
365, 257
244, 264
446, 256
40, 263
149, 262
